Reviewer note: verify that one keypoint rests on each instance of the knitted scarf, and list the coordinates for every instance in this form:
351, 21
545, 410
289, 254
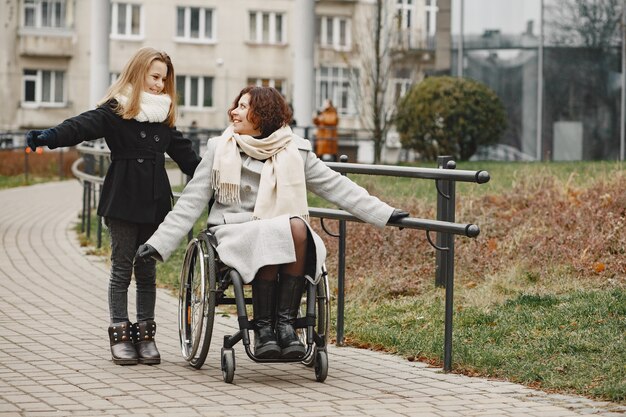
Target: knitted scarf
282, 188
154, 108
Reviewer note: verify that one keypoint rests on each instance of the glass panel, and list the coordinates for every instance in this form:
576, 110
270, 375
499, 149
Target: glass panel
46, 85
266, 28
279, 28
342, 33
45, 14
121, 19
180, 22
58, 86
29, 90
329, 31
29, 17
278, 84
180, 89
193, 91
208, 24
59, 14
208, 92
136, 22
195, 23
318, 29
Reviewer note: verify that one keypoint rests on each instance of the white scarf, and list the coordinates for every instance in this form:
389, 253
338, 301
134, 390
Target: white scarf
282, 188
154, 108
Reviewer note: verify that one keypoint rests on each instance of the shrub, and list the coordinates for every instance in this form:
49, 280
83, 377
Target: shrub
449, 116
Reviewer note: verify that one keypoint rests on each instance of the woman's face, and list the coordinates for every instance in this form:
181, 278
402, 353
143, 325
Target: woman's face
155, 78
239, 115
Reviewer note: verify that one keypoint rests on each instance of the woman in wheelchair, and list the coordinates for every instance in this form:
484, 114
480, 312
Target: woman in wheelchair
257, 174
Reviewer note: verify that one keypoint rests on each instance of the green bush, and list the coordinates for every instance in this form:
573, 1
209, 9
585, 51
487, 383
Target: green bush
449, 116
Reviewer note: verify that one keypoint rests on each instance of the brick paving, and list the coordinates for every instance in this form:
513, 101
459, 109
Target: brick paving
55, 360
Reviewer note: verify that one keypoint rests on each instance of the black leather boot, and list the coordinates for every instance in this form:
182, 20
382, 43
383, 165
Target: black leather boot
143, 336
289, 296
123, 350
263, 306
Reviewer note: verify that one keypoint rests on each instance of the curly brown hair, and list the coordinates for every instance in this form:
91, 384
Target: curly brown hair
268, 109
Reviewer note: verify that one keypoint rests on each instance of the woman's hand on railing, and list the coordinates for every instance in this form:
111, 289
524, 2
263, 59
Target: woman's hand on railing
397, 215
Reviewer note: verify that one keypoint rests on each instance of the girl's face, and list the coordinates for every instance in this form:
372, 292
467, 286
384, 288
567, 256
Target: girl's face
239, 115
155, 78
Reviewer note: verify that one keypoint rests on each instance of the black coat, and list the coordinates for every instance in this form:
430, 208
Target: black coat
136, 187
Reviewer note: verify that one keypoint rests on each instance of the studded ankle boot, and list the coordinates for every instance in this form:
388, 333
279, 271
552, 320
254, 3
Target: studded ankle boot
289, 296
263, 306
123, 350
143, 336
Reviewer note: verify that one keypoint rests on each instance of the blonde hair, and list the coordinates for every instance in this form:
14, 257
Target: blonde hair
133, 75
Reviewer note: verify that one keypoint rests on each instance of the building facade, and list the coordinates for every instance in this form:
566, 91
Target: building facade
217, 47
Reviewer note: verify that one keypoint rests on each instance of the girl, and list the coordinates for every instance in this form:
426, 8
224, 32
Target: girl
259, 172
136, 119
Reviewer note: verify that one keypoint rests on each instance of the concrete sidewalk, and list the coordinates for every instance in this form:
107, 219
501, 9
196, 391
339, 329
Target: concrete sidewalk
55, 359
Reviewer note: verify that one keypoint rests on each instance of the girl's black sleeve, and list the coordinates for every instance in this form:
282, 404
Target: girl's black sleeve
90, 125
181, 151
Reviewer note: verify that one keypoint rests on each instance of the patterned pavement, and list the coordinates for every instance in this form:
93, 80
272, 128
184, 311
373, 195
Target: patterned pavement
55, 360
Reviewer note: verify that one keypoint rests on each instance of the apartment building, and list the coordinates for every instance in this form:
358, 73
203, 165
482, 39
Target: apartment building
217, 46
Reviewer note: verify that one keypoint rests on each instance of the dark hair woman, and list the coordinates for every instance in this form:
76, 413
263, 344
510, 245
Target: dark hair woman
259, 172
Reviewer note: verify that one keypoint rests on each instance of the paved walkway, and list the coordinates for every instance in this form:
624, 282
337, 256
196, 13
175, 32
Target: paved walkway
55, 360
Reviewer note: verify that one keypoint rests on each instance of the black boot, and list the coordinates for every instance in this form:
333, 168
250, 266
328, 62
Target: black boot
143, 336
123, 350
263, 306
289, 296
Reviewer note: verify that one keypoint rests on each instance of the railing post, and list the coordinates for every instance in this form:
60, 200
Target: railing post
450, 203
441, 257
341, 274
88, 209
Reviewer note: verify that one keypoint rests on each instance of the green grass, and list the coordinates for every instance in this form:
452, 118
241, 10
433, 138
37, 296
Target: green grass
553, 343
11, 181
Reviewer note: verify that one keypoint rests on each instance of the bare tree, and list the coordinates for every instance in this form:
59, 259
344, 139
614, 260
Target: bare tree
372, 83
587, 23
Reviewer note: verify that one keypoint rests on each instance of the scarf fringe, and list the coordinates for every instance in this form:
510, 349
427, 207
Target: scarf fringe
226, 193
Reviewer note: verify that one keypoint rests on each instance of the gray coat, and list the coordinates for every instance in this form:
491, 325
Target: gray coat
242, 242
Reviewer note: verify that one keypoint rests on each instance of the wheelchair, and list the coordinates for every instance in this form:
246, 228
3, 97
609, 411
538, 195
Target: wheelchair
204, 284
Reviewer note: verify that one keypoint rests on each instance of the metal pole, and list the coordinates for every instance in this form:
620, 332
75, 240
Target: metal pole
441, 257
99, 51
447, 343
539, 144
303, 61
341, 275
623, 104
460, 54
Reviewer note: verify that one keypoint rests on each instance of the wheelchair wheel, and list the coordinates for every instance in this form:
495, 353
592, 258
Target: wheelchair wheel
323, 316
321, 365
228, 364
197, 300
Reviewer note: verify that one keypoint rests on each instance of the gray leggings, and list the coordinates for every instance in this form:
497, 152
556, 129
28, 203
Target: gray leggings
125, 239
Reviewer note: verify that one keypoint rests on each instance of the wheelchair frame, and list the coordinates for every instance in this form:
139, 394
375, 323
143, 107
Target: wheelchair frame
204, 281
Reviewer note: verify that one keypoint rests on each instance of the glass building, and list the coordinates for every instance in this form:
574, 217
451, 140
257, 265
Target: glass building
558, 67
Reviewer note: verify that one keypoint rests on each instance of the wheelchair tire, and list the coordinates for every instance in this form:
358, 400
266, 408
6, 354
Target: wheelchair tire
197, 300
321, 365
228, 365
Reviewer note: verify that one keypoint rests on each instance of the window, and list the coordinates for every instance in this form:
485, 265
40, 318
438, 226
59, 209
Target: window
404, 9
400, 87
195, 24
194, 91
44, 14
334, 83
278, 83
126, 20
267, 27
44, 87
431, 22
334, 32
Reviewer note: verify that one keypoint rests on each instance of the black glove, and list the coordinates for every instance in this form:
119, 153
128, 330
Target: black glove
145, 251
35, 138
397, 215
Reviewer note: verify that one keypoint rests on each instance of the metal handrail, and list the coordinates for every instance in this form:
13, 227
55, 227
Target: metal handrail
445, 226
